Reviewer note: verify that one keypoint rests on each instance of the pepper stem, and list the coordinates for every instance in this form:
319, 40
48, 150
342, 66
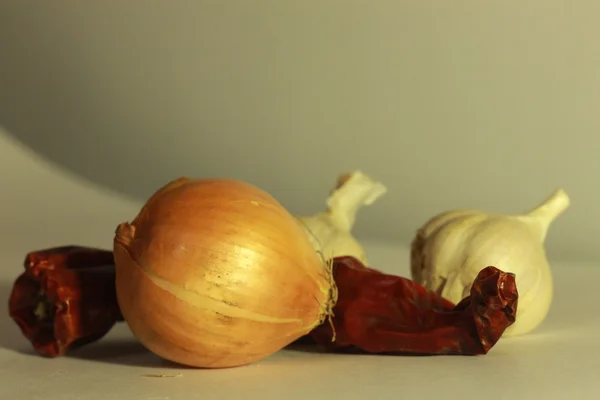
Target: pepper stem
43, 310
352, 191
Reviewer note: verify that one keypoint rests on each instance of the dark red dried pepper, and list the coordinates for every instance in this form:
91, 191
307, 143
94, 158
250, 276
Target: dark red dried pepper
379, 313
66, 298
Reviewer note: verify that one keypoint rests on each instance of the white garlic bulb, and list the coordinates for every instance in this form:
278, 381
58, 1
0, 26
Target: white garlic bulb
450, 249
330, 231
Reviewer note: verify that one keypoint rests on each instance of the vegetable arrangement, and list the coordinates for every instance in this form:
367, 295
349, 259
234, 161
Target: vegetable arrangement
216, 273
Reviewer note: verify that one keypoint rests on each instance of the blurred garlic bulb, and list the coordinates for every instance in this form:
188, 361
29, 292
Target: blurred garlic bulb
330, 231
450, 249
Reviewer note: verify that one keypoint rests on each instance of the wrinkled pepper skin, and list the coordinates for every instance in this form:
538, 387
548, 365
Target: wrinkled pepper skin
65, 298
380, 313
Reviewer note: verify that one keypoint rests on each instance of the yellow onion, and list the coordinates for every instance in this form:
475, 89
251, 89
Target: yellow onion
216, 273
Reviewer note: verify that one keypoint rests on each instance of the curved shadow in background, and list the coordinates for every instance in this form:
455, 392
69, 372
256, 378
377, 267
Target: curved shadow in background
56, 100
60, 131
125, 107
104, 93
51, 99
64, 160
63, 134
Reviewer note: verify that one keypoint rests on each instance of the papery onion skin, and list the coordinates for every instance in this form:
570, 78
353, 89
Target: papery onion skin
215, 273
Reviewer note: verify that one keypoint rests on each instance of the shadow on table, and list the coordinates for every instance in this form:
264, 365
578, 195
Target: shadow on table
121, 352
131, 352
307, 345
118, 347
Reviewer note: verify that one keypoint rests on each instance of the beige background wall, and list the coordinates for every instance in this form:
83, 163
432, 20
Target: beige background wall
450, 103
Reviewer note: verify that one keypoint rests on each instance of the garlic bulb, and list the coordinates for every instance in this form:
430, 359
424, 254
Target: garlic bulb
450, 249
330, 231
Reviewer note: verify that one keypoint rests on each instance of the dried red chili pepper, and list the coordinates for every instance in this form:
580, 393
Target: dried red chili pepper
66, 298
379, 313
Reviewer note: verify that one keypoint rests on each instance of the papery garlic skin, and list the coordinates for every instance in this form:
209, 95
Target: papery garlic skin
450, 249
330, 231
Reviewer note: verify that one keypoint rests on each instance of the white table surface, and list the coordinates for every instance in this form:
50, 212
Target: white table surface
41, 206
561, 360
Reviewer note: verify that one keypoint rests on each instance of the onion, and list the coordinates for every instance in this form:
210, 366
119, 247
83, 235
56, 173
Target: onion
216, 273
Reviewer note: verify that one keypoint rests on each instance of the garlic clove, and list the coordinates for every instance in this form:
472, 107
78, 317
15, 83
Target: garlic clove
328, 240
451, 248
442, 252
330, 231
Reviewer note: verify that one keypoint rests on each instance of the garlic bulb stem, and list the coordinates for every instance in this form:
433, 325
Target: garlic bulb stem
352, 192
549, 209
330, 231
